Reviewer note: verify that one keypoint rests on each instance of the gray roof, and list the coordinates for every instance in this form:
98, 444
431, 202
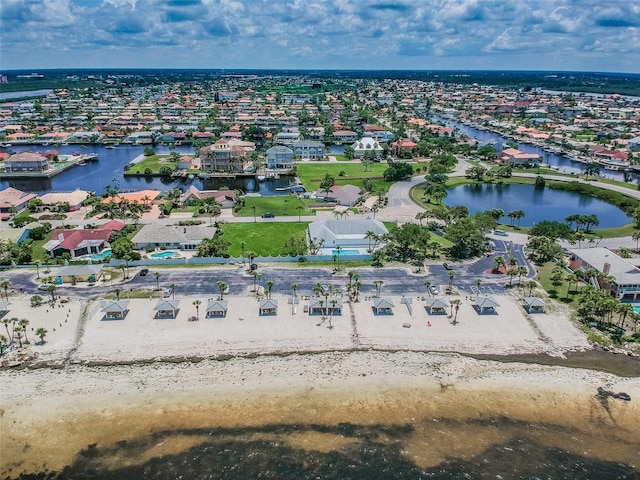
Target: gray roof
217, 306
437, 302
340, 229
115, 307
4, 306
486, 302
154, 233
534, 301
624, 272
315, 302
269, 303
167, 305
91, 269
279, 149
382, 303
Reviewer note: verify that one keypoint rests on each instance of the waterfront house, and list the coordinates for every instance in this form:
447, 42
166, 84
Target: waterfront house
288, 136
309, 149
341, 233
403, 148
516, 158
13, 200
345, 195
192, 196
32, 162
369, 147
218, 158
51, 201
345, 136
279, 157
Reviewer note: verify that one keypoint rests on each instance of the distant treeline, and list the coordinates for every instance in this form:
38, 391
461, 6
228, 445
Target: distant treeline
593, 82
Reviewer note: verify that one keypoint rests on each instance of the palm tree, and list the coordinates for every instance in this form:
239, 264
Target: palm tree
427, 284
254, 274
243, 245
270, 284
117, 292
636, 237
478, 282
51, 289
23, 323
452, 273
5, 284
378, 284
197, 304
157, 275
294, 289
223, 287
4, 342
173, 290
253, 207
338, 250
6, 322
41, 333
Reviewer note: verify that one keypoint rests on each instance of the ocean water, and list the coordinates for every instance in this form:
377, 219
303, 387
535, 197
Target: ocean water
422, 447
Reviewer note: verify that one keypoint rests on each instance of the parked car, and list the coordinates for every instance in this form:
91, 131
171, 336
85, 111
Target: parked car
502, 233
268, 215
144, 272
44, 287
167, 292
434, 290
447, 266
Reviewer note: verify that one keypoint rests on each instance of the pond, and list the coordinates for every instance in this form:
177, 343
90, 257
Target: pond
537, 203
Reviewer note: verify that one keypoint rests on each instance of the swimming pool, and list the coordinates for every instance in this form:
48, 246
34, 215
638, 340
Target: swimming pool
346, 251
102, 255
636, 309
167, 254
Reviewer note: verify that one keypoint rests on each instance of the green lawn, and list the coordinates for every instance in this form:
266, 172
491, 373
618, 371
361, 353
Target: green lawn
312, 174
264, 238
279, 205
154, 162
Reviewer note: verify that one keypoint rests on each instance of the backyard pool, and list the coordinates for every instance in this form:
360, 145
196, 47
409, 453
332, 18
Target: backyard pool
346, 251
167, 254
102, 255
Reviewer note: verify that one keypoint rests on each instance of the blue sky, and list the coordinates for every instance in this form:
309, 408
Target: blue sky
587, 35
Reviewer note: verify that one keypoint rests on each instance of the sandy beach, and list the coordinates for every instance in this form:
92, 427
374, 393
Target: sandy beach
101, 382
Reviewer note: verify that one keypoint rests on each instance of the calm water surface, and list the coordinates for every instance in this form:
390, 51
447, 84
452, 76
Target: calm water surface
537, 203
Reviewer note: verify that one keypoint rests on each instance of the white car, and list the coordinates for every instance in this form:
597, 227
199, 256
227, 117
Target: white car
167, 292
434, 290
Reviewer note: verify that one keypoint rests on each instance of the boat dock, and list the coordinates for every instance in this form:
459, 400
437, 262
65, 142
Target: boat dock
55, 168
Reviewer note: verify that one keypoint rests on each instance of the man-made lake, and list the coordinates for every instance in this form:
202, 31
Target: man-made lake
537, 203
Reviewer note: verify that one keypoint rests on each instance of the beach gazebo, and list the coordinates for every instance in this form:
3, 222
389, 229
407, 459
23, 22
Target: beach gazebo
324, 306
216, 308
167, 308
115, 310
534, 304
437, 306
485, 305
269, 307
383, 306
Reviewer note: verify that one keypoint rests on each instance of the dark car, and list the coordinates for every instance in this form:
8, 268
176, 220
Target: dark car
447, 266
144, 272
268, 215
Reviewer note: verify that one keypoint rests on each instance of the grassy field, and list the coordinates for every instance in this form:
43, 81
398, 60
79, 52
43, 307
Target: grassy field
264, 238
352, 173
154, 162
279, 205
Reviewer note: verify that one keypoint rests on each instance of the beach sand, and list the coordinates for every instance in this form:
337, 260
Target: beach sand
107, 382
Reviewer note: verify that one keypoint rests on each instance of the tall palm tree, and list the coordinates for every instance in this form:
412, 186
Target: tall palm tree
270, 284
223, 287
197, 304
338, 250
452, 273
5, 284
157, 275
378, 284
243, 245
173, 290
428, 284
294, 289
23, 323
6, 322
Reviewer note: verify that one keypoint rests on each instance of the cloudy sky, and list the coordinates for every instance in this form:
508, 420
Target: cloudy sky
591, 35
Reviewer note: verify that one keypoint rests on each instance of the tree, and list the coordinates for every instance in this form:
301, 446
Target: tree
223, 288
197, 304
173, 290
428, 285
378, 284
406, 241
23, 323
451, 273
41, 332
270, 284
157, 276
5, 284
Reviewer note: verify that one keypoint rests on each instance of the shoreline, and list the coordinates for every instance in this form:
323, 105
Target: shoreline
58, 413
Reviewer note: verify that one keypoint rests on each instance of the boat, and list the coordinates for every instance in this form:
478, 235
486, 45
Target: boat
5, 145
261, 178
110, 147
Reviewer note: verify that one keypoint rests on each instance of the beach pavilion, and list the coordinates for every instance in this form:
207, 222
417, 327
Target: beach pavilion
534, 304
269, 307
4, 308
322, 306
485, 305
383, 306
216, 308
437, 306
167, 308
115, 310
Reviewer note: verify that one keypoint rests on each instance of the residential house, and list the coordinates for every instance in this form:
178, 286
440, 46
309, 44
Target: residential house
288, 136
623, 276
26, 162
186, 237
226, 198
516, 158
403, 148
341, 233
369, 147
345, 136
280, 157
13, 200
218, 157
51, 201
81, 241
346, 195
309, 149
